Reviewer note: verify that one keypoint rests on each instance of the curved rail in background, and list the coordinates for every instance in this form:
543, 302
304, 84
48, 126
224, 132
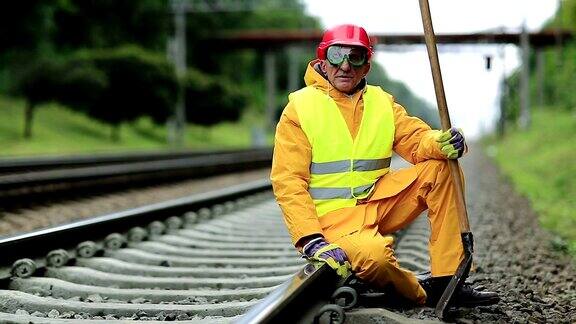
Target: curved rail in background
18, 164
128, 169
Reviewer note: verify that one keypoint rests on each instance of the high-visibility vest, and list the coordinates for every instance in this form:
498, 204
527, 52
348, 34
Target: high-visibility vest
343, 169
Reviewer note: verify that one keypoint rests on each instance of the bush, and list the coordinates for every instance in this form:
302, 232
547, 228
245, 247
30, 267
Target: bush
123, 84
74, 85
212, 99
39, 82
113, 86
140, 83
80, 85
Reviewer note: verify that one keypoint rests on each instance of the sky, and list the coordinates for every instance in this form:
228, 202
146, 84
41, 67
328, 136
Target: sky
472, 92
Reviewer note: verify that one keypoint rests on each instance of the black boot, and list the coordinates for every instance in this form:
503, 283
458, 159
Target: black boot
465, 296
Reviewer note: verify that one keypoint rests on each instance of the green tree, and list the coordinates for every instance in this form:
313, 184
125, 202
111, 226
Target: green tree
26, 28
111, 23
140, 83
38, 84
74, 84
114, 86
212, 99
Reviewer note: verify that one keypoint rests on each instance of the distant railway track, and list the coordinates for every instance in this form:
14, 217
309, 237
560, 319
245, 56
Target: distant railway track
23, 178
221, 256
27, 164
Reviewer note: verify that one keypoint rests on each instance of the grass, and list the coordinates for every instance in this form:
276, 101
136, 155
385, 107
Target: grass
541, 164
57, 130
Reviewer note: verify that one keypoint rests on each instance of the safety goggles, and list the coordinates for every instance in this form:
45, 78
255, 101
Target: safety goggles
337, 54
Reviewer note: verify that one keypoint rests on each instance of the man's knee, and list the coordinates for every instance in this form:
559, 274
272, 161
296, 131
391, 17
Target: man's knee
372, 259
433, 165
434, 169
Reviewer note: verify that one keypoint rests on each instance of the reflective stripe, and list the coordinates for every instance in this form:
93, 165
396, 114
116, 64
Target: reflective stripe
337, 193
362, 190
344, 166
330, 167
330, 193
370, 165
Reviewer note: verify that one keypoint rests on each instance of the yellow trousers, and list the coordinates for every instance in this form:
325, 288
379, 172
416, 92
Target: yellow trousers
361, 230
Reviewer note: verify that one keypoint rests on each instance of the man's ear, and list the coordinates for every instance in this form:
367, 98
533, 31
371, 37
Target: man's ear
323, 66
367, 68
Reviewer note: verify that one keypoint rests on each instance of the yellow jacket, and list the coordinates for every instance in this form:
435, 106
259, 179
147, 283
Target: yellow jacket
414, 141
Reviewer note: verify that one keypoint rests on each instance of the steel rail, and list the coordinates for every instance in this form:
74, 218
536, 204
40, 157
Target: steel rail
193, 166
15, 164
300, 299
38, 243
297, 300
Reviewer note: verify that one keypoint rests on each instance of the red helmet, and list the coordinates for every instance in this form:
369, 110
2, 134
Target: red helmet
344, 35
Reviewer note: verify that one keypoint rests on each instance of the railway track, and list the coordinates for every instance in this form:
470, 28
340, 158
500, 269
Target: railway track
218, 257
22, 178
15, 165
23, 181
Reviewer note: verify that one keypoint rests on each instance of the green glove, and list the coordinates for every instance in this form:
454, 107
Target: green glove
452, 143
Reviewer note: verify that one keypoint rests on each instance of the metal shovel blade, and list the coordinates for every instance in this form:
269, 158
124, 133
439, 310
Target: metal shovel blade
458, 279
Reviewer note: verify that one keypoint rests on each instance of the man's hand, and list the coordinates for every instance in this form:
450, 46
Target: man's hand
319, 250
452, 143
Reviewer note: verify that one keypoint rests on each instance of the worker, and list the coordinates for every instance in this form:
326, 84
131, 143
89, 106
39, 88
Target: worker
331, 175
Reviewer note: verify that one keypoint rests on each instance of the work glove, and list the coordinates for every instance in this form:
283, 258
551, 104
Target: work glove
319, 250
452, 143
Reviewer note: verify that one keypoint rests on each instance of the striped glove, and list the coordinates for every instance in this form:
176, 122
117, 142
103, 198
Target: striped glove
319, 250
452, 143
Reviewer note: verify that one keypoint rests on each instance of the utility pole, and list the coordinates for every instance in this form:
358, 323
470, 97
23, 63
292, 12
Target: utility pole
524, 120
178, 48
270, 78
293, 76
504, 95
540, 76
559, 25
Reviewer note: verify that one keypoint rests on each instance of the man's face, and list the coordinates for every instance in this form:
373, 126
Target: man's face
343, 74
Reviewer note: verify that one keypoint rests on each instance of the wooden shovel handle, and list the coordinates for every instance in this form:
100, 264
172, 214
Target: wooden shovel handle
443, 110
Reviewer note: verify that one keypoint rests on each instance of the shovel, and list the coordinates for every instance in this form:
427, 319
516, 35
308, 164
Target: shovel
467, 239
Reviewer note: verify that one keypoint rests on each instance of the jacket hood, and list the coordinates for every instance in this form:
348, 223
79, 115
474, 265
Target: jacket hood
316, 78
